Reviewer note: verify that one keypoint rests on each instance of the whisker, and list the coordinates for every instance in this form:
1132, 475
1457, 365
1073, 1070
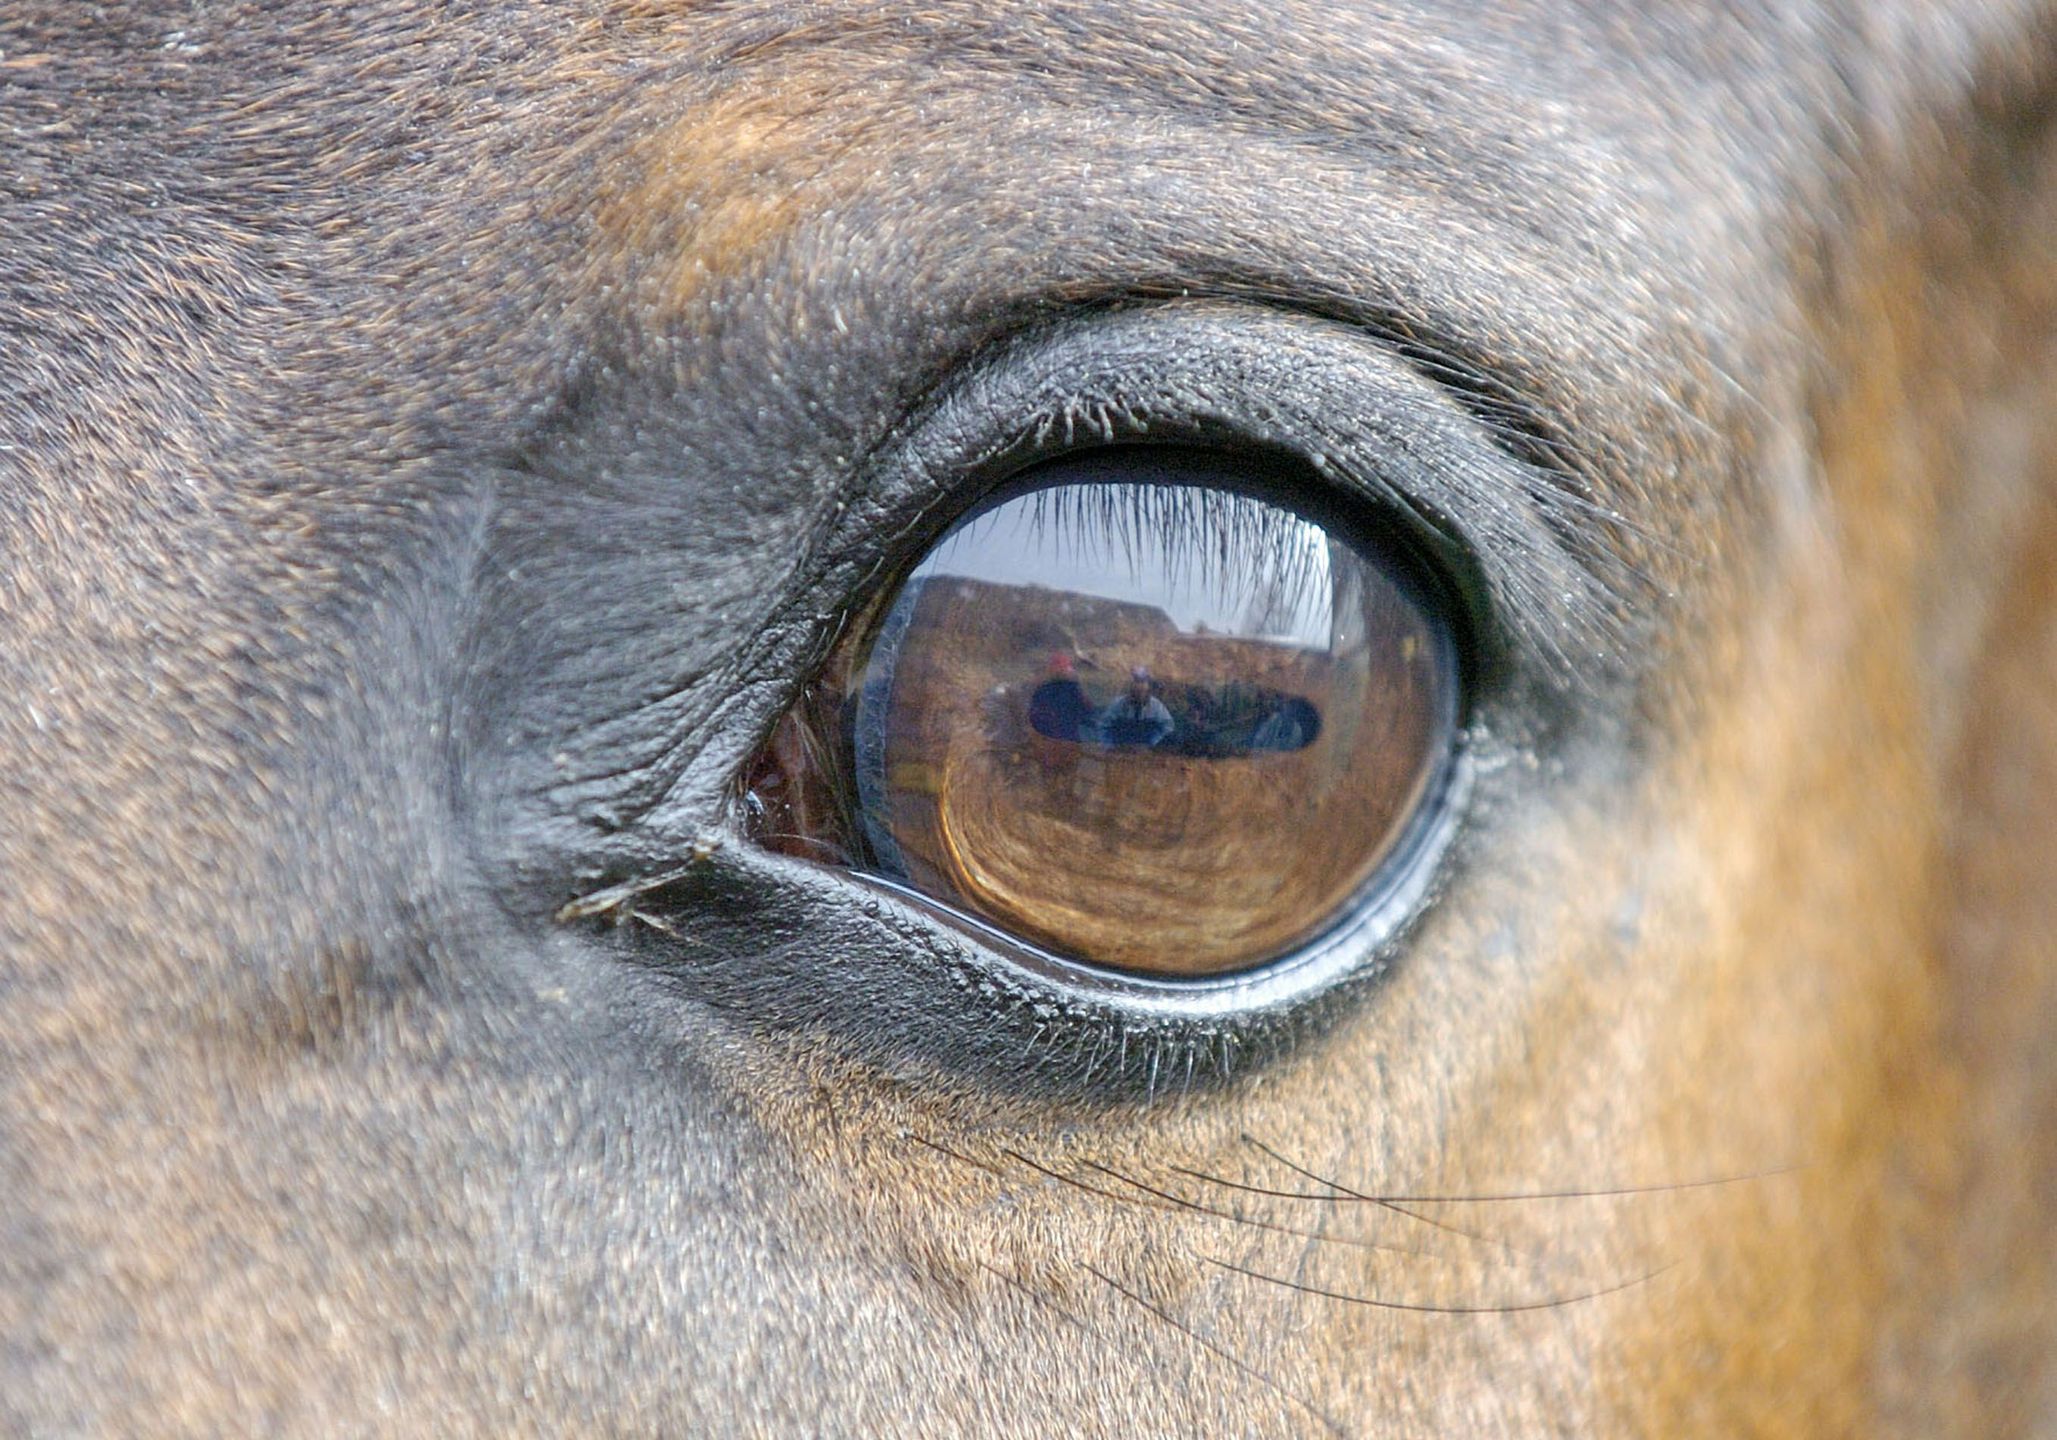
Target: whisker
958, 1156
1349, 1242
1388, 1203
1491, 1241
828, 850
1219, 1352
1341, 1194
1420, 1308
1045, 1301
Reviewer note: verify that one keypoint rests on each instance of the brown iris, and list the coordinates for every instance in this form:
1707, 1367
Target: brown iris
1130, 713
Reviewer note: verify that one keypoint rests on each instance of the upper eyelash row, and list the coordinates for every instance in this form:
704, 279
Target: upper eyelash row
1258, 549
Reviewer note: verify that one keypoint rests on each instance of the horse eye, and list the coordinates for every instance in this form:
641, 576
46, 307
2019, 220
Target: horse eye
1130, 713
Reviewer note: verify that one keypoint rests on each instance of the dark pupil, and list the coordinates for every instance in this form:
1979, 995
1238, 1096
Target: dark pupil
1143, 719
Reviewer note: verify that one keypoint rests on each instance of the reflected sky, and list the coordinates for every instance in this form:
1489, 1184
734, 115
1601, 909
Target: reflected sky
1208, 558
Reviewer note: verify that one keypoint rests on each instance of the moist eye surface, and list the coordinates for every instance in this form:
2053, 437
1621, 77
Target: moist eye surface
1132, 713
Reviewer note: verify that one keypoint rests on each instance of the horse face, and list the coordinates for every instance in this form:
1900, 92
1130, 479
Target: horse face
442, 449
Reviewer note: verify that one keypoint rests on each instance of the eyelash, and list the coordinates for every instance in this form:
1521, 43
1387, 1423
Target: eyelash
1256, 541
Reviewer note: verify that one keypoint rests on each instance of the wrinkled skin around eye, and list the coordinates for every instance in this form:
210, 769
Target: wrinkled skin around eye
1131, 716
436, 442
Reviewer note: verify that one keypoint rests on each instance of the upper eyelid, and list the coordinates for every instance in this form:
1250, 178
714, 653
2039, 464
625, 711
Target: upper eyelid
1340, 398
1545, 602
1511, 412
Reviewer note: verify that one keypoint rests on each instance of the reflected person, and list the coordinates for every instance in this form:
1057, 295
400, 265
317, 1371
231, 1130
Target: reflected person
1289, 727
1058, 708
1136, 718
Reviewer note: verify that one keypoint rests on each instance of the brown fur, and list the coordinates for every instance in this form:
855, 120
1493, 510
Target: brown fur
435, 442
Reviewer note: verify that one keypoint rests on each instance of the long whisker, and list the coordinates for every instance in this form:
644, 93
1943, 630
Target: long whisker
1342, 1195
1327, 1421
1419, 1308
1171, 1197
1045, 1301
1387, 1203
1172, 1201
957, 1155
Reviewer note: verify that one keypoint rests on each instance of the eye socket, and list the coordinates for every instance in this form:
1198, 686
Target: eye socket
1131, 712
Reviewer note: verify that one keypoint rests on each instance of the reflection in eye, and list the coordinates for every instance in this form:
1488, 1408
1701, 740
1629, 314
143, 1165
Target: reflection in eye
1229, 719
1129, 713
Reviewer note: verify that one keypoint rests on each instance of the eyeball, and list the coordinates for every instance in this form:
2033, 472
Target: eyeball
1137, 711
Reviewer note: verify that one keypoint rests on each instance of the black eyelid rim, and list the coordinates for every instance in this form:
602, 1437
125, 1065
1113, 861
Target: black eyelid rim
1391, 896
994, 437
